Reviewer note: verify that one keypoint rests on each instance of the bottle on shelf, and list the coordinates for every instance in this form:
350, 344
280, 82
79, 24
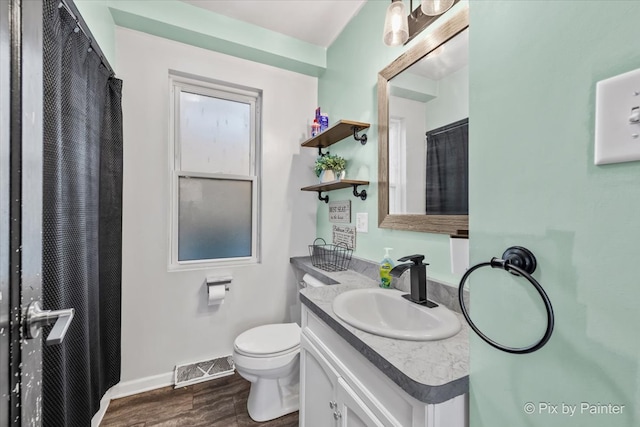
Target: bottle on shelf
324, 122
315, 128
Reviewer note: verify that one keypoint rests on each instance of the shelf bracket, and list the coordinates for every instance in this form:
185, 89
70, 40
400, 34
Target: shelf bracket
320, 153
323, 199
362, 138
362, 194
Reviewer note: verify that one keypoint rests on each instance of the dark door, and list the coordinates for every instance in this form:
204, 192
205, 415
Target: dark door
4, 211
21, 316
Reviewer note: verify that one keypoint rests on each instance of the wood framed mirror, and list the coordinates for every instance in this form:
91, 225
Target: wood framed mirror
403, 203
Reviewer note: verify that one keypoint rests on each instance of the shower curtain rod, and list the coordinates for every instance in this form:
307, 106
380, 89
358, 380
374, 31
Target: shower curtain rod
447, 128
72, 10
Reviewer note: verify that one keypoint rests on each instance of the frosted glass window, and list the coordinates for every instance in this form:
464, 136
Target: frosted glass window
215, 174
215, 217
215, 135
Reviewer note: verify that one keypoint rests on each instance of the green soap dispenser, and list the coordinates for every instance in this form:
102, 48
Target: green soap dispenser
385, 269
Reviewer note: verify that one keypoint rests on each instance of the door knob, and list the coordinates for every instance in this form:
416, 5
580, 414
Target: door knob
36, 318
337, 415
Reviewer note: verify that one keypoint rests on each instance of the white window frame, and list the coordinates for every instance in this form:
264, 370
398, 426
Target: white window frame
205, 87
398, 183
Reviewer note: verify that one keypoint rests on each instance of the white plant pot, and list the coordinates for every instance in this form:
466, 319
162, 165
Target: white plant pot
329, 175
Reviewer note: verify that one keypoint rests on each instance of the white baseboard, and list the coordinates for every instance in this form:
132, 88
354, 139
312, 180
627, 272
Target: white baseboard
104, 405
128, 388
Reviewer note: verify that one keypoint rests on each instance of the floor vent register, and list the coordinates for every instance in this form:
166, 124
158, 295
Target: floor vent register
198, 372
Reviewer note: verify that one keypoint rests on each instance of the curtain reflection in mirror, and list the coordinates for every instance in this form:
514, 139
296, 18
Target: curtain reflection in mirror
447, 183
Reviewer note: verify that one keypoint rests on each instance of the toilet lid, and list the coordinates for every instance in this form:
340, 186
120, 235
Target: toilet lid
269, 339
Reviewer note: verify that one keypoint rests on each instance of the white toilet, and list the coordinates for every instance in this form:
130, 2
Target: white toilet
269, 357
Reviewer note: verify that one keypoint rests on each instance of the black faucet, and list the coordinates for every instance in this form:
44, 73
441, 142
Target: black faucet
418, 279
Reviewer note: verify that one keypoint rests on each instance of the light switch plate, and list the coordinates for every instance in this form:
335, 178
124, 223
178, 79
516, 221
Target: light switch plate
617, 138
362, 222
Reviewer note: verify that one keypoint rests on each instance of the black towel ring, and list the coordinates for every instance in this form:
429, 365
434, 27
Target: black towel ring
518, 261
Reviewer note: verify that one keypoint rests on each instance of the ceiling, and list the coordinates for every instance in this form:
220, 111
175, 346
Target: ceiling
445, 60
314, 21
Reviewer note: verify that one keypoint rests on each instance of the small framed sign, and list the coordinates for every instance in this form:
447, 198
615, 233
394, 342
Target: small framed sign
344, 234
340, 211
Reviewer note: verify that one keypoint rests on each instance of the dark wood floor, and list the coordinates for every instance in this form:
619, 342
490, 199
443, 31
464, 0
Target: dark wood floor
217, 403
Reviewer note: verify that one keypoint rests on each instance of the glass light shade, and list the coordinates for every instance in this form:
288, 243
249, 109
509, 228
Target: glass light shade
396, 27
435, 7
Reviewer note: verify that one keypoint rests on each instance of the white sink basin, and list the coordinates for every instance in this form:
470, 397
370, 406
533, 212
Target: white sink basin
386, 313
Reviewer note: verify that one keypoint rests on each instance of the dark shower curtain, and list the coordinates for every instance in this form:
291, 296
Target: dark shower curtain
82, 220
447, 184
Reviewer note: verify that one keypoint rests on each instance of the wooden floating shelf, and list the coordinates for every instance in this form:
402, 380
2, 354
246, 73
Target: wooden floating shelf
335, 185
338, 185
335, 133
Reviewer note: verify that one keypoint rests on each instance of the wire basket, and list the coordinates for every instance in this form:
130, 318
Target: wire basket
330, 257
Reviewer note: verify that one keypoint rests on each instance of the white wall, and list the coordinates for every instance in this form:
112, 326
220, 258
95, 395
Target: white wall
452, 102
165, 317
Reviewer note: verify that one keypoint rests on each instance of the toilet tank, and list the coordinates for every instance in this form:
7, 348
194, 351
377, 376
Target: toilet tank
307, 281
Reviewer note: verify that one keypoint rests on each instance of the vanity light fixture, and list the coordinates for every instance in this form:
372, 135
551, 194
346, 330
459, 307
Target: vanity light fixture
400, 28
435, 7
396, 28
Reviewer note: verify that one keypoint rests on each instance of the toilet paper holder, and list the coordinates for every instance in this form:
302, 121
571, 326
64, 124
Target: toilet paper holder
215, 281
217, 288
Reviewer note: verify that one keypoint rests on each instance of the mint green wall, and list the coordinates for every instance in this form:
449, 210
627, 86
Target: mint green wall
348, 90
533, 70
185, 23
97, 16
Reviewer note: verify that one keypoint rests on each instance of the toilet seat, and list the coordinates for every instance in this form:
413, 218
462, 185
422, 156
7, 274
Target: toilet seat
261, 356
269, 340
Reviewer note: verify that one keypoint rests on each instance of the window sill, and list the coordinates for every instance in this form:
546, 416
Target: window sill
172, 268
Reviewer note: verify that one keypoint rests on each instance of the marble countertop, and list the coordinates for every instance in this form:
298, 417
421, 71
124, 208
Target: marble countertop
430, 371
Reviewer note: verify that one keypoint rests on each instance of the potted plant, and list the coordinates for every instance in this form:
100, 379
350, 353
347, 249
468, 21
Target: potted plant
330, 167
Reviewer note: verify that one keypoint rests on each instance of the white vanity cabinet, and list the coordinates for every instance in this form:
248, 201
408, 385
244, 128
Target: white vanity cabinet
339, 387
318, 381
326, 399
351, 411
